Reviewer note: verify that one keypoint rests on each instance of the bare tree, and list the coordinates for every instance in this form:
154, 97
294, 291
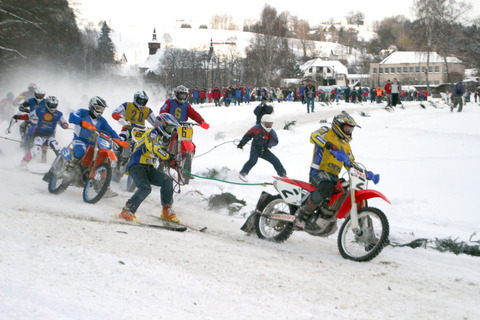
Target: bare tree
301, 31
435, 17
355, 17
223, 21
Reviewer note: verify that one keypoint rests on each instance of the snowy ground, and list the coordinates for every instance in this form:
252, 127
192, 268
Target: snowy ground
64, 259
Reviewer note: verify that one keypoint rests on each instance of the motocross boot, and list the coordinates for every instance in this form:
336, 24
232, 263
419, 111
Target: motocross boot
127, 214
68, 172
303, 213
168, 214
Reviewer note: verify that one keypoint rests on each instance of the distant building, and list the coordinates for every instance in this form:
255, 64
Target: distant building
355, 80
325, 73
154, 55
410, 68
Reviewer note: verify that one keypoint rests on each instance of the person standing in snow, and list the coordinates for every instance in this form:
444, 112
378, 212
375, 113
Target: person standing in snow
457, 95
262, 109
396, 89
264, 138
310, 93
388, 92
150, 148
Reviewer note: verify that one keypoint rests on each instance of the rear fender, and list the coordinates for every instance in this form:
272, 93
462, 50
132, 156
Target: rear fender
360, 195
264, 199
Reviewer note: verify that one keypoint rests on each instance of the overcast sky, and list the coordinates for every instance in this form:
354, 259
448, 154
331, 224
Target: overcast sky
154, 12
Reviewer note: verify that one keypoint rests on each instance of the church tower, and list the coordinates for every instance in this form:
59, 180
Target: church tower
153, 45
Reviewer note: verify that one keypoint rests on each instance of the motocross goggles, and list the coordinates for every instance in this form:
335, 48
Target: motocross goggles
99, 109
169, 129
182, 96
348, 129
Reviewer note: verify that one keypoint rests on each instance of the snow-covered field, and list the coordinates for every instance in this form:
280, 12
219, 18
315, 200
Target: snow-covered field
61, 258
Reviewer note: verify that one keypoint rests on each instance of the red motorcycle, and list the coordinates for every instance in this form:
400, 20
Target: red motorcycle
182, 148
93, 172
363, 234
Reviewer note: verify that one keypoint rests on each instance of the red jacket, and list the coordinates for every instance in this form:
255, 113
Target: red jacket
388, 88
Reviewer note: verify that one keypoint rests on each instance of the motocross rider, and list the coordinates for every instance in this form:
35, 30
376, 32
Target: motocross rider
29, 106
87, 121
129, 114
46, 119
133, 113
331, 152
181, 109
141, 168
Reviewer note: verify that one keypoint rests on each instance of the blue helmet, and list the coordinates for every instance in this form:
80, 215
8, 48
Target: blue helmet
165, 123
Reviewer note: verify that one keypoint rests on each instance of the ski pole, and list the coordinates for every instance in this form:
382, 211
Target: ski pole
10, 139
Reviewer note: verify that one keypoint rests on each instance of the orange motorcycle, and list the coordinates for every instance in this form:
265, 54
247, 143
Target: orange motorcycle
93, 172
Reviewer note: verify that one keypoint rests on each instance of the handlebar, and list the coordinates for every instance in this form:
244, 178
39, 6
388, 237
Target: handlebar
188, 123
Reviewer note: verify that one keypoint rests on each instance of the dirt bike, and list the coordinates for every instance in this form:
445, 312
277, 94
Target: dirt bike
363, 234
124, 156
182, 149
93, 172
27, 136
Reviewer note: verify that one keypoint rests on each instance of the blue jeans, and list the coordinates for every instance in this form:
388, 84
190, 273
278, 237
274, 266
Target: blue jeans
266, 155
144, 176
325, 183
312, 102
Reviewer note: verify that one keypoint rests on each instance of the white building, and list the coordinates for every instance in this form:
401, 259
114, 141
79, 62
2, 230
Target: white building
326, 73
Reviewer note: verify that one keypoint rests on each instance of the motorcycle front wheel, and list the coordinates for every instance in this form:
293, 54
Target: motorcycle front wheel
187, 165
373, 236
95, 188
270, 229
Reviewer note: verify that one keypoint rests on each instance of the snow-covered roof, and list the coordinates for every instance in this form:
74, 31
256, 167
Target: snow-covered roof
416, 57
336, 65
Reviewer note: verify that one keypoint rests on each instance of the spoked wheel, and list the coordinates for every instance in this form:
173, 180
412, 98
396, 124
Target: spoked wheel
96, 187
372, 239
270, 229
58, 182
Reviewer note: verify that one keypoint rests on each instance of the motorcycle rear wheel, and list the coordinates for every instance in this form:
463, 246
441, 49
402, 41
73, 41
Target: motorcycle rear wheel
57, 183
95, 188
270, 229
373, 238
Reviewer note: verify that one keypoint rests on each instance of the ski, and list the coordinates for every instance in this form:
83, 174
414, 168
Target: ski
180, 224
165, 225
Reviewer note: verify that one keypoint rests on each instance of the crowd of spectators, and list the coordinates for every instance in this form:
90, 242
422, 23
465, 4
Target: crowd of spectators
239, 94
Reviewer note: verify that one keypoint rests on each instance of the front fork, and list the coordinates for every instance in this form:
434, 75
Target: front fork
354, 212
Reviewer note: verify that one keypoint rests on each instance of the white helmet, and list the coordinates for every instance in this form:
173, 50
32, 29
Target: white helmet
267, 122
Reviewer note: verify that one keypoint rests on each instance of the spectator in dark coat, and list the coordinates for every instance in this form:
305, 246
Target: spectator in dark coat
262, 109
457, 96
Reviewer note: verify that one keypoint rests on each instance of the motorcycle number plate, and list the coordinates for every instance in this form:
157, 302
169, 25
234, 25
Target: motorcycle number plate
138, 134
185, 133
357, 178
289, 192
